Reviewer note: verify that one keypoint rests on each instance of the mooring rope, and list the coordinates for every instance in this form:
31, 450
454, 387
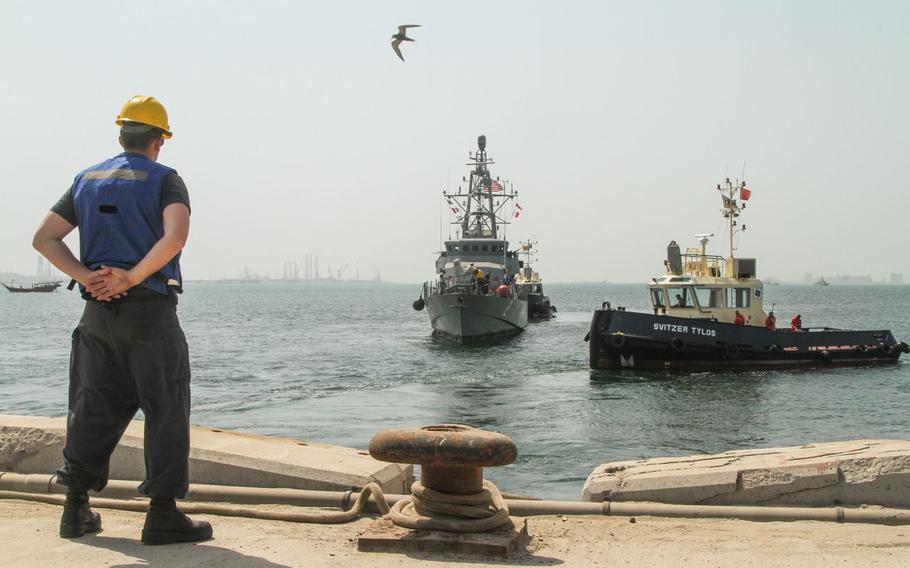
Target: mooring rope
427, 509
424, 509
322, 517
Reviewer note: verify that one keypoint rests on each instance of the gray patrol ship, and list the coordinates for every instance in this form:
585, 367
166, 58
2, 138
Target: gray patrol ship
474, 297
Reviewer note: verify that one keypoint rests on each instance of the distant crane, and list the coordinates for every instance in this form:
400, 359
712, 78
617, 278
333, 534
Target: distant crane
343, 268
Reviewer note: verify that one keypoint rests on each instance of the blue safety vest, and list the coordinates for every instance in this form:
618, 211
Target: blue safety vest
118, 212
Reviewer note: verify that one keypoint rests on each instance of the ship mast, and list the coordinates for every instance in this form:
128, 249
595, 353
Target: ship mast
485, 197
527, 250
729, 192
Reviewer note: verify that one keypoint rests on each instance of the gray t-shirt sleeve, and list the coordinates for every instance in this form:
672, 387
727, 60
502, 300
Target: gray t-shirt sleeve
173, 191
65, 207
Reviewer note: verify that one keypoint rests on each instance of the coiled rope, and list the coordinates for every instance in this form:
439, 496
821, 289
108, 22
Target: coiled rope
427, 509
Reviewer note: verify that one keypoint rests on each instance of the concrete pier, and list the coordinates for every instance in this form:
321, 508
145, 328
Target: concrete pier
853, 473
34, 445
28, 530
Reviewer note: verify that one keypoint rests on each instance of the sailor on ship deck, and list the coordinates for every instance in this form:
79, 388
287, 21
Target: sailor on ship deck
771, 321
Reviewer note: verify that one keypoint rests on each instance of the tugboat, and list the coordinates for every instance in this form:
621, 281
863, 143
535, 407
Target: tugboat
36, 287
708, 314
473, 299
530, 287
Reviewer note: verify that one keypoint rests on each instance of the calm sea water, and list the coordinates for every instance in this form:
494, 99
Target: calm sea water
336, 364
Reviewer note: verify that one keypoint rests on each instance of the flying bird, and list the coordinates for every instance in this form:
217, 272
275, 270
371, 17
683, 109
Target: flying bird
401, 36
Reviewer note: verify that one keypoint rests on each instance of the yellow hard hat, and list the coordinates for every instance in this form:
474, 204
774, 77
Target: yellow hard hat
145, 110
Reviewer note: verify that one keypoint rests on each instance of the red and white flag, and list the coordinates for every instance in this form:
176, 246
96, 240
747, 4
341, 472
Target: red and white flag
518, 209
454, 210
495, 186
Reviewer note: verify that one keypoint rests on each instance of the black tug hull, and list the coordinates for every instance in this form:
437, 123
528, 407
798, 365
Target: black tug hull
619, 339
539, 307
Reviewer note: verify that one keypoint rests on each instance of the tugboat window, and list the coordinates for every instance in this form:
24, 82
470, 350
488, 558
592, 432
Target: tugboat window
485, 248
709, 297
738, 297
657, 297
680, 297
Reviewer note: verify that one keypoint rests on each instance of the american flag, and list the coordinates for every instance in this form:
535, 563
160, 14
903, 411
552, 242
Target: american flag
495, 186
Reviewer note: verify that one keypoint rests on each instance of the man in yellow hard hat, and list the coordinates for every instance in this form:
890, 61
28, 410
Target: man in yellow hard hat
128, 350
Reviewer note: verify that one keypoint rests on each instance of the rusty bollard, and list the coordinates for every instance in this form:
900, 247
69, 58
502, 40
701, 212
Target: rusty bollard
451, 456
451, 459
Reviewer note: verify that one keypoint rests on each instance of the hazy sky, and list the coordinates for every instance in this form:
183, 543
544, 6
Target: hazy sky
298, 131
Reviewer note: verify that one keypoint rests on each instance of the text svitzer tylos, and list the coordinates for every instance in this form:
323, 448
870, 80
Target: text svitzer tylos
684, 329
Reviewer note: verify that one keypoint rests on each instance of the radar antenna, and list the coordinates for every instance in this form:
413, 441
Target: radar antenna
733, 208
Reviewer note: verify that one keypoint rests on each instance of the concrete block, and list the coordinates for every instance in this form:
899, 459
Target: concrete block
35, 444
505, 541
858, 472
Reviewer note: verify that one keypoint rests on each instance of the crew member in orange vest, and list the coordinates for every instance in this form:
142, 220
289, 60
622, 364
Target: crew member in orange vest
796, 324
739, 319
771, 321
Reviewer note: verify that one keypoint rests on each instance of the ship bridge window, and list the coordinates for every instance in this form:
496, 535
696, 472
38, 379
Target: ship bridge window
485, 248
738, 297
456, 248
709, 297
681, 297
657, 298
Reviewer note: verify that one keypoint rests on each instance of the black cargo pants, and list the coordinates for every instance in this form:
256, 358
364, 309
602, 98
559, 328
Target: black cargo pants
129, 355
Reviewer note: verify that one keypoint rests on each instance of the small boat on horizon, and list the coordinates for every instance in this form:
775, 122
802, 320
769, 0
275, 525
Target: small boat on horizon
48, 286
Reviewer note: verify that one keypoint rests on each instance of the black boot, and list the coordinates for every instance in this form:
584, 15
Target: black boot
166, 524
78, 519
